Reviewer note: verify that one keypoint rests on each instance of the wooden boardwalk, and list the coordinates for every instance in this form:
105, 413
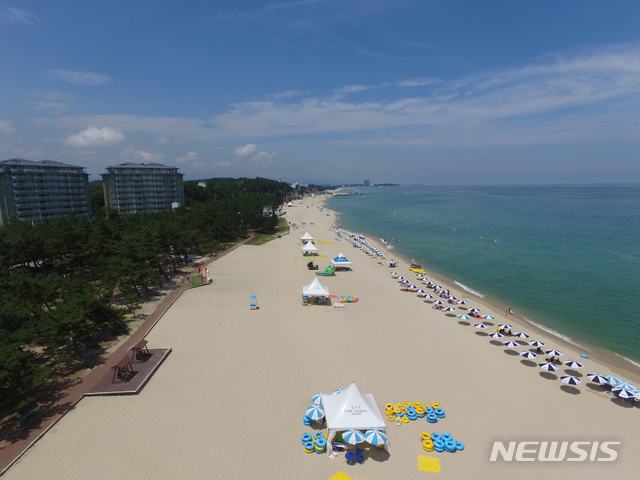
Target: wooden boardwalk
11, 453
142, 372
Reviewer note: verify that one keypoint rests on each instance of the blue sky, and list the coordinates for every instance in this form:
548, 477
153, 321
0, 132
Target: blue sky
433, 92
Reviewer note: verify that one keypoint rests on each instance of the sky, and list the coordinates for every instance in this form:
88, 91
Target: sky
327, 91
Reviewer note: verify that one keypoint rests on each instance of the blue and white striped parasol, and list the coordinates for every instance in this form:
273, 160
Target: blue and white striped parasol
573, 364
353, 436
464, 317
315, 412
613, 380
375, 437
511, 344
528, 354
536, 343
496, 335
626, 386
480, 325
489, 317
623, 392
571, 380
317, 399
554, 353
595, 378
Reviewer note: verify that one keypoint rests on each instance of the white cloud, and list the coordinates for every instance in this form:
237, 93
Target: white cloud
221, 164
248, 149
54, 101
143, 155
162, 140
12, 16
189, 157
287, 94
6, 126
416, 82
78, 78
95, 137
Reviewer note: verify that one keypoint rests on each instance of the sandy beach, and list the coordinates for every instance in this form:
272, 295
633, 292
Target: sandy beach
229, 400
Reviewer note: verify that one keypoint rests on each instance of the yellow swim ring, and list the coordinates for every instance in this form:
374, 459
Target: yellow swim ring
391, 418
397, 408
425, 436
436, 405
428, 445
417, 405
389, 406
405, 420
406, 404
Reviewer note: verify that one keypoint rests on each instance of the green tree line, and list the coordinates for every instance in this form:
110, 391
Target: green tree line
58, 278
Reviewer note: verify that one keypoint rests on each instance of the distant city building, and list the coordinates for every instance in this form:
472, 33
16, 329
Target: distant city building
142, 187
367, 183
38, 191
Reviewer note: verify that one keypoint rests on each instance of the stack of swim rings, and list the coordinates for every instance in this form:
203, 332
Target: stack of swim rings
411, 413
440, 443
321, 444
307, 443
307, 421
348, 299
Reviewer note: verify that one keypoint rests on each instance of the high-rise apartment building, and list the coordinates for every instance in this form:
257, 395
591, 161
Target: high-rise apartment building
37, 191
142, 187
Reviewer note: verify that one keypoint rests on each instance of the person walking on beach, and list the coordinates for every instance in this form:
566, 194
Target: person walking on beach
509, 312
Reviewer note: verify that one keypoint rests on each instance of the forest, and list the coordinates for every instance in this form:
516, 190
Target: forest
58, 278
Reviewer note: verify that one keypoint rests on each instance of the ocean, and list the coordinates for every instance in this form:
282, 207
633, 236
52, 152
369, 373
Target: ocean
565, 257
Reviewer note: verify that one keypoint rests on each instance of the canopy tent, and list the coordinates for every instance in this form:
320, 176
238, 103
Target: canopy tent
351, 410
315, 289
340, 261
309, 248
306, 236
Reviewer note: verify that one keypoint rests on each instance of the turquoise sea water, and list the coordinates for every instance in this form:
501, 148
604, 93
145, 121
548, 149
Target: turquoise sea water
566, 257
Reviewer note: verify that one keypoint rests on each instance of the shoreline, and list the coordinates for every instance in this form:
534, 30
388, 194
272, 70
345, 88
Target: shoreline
611, 360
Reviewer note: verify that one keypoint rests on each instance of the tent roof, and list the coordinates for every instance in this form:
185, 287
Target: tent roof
315, 288
352, 409
306, 236
309, 247
341, 259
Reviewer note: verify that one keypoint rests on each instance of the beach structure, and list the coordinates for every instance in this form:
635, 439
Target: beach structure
340, 262
309, 249
39, 191
306, 237
351, 410
142, 187
253, 303
315, 289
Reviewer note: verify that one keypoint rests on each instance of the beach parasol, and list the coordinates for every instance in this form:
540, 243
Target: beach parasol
401, 277
426, 295
528, 354
496, 335
375, 437
449, 309
474, 310
317, 399
626, 386
613, 380
536, 343
464, 317
573, 364
623, 392
489, 317
595, 378
315, 412
554, 353
549, 367
439, 302
452, 297
521, 335
511, 344
571, 380
420, 290
353, 436
412, 286
395, 273
480, 325
505, 326
462, 302
405, 281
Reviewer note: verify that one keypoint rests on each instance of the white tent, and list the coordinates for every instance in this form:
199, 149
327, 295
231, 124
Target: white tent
309, 247
315, 289
351, 410
340, 261
306, 236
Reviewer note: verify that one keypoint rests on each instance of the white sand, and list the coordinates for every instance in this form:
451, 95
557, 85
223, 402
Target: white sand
228, 402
